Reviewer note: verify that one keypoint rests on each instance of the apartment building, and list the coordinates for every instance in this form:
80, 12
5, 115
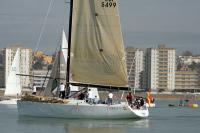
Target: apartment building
187, 80
41, 77
151, 69
25, 63
188, 60
135, 66
160, 68
39, 80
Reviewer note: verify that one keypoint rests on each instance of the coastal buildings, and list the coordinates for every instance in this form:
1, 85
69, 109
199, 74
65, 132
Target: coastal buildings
25, 63
41, 77
39, 80
2, 84
187, 80
153, 68
160, 69
135, 66
150, 71
188, 60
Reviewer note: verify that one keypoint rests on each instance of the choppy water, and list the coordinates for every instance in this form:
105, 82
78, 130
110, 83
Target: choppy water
163, 119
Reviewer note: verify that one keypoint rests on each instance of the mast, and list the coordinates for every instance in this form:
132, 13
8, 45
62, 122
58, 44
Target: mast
69, 45
59, 61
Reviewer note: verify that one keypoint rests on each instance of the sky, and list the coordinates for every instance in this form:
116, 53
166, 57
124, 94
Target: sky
145, 23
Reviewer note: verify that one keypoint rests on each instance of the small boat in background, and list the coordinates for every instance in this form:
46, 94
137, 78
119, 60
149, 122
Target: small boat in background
13, 84
185, 103
151, 105
150, 101
194, 105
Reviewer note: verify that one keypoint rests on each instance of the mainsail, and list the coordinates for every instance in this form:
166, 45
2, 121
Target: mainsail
58, 72
97, 52
13, 85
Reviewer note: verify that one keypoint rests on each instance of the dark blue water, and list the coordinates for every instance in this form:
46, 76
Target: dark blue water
163, 119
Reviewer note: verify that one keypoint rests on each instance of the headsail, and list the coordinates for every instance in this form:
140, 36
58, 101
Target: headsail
58, 73
97, 52
63, 58
64, 46
13, 85
53, 81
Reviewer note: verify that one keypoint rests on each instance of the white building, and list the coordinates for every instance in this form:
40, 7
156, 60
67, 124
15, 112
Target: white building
187, 60
41, 77
187, 81
160, 68
135, 66
39, 80
151, 69
25, 63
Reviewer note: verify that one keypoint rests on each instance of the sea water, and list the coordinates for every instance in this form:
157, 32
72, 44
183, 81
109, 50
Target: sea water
162, 119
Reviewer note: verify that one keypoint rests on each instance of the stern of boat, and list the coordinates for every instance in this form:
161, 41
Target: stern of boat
142, 112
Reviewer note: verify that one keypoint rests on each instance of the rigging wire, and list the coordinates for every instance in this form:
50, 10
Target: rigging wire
129, 74
42, 30
57, 51
44, 25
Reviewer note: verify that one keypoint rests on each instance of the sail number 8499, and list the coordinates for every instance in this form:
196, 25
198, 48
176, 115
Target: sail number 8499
108, 3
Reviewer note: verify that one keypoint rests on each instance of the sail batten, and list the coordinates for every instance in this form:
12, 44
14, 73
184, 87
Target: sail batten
97, 51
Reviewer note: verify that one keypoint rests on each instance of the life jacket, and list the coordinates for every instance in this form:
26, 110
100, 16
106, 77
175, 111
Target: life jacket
149, 98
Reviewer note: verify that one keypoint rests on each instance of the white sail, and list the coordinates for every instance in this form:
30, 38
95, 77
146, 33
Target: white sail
64, 46
63, 58
58, 73
97, 51
13, 85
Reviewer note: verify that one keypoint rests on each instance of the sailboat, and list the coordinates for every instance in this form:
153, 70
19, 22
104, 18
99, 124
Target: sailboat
13, 84
96, 60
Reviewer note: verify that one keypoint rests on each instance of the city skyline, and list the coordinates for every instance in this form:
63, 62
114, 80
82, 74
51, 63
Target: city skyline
145, 24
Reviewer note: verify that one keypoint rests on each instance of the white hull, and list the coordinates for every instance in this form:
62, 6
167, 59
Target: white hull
9, 102
79, 109
151, 105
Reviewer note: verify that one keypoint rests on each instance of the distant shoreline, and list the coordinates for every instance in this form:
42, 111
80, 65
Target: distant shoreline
158, 96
